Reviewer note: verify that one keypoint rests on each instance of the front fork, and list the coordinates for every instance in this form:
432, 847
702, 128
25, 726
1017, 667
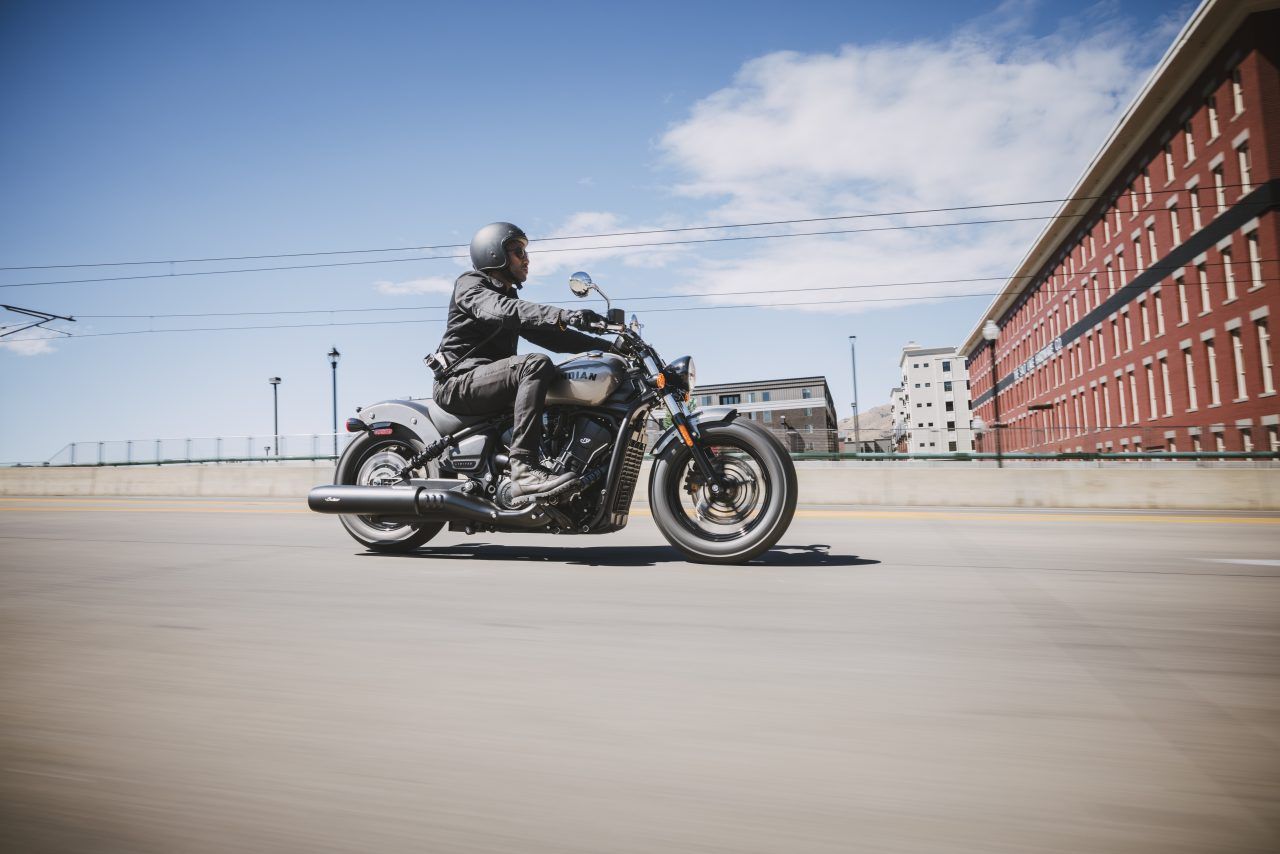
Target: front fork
687, 428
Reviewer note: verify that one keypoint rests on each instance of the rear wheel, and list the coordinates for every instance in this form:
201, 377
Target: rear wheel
376, 461
744, 520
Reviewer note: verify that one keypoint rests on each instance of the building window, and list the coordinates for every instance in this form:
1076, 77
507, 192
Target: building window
1264, 354
1106, 402
1211, 105
1246, 173
1146, 185
1219, 444
1139, 264
1128, 330
951, 446
1133, 396
1133, 200
1237, 92
1204, 289
1215, 388
806, 393
1229, 275
1151, 241
1189, 141
705, 400
1164, 384
1097, 419
1246, 439
1237, 357
1189, 365
1151, 392
1146, 321
1273, 437
765, 396
1168, 162
726, 399
1219, 188
1159, 309
751, 397
1255, 260
1174, 225
767, 416
1193, 193
1182, 299
951, 406
1115, 336
946, 366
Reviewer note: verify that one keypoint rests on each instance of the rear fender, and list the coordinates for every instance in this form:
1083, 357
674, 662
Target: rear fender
409, 415
669, 441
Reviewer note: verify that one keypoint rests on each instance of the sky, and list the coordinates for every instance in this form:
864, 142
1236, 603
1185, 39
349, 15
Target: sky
165, 132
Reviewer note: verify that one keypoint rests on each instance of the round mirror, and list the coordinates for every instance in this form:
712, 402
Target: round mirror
580, 283
635, 324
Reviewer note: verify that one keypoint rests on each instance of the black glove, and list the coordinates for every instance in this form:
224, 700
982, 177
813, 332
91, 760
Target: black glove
584, 319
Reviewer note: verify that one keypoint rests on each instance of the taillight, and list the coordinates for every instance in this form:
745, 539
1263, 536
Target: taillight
355, 425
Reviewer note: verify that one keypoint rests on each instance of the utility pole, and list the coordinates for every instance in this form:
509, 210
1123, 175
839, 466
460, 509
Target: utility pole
853, 357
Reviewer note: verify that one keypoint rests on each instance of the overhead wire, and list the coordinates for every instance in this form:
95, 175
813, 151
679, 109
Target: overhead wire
635, 298
630, 233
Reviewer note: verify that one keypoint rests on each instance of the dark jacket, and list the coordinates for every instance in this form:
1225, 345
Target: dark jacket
481, 305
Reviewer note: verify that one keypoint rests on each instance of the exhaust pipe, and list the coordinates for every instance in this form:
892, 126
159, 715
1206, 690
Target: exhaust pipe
441, 505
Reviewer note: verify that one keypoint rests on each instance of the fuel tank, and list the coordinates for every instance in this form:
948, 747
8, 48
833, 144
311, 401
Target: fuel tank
587, 379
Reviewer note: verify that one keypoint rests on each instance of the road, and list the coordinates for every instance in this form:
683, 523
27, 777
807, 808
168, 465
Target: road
213, 676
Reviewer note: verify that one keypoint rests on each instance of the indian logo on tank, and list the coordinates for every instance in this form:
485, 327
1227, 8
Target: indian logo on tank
580, 375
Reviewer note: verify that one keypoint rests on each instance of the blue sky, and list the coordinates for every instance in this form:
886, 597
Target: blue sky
143, 131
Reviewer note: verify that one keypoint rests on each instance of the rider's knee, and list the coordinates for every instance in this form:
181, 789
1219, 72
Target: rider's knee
537, 366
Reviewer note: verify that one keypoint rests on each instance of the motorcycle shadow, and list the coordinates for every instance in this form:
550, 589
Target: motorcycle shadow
779, 556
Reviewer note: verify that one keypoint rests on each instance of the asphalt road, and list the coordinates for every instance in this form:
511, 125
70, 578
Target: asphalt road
204, 676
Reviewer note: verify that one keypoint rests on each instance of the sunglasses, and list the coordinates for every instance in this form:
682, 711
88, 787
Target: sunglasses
518, 251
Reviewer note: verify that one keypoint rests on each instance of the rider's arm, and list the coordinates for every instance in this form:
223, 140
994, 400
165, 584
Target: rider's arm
483, 303
566, 340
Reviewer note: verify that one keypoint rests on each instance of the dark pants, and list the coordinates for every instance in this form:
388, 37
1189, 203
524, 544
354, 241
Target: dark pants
491, 388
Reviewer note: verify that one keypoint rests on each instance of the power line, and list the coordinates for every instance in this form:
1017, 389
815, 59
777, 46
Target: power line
647, 245
650, 311
633, 233
638, 298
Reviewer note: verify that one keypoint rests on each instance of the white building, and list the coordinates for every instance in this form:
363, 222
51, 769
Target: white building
931, 413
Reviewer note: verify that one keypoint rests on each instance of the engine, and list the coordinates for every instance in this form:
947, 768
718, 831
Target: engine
585, 446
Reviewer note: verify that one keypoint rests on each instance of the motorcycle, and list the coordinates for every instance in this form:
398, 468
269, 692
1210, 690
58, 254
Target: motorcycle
721, 488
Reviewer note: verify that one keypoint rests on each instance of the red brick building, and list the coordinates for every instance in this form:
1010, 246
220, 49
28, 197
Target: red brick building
1142, 319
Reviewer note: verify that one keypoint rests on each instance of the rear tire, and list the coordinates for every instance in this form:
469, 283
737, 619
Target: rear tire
368, 461
740, 525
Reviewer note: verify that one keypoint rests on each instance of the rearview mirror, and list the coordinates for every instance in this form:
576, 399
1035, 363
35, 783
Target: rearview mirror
580, 283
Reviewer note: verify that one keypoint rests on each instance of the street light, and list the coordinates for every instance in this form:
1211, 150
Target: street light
334, 355
991, 332
853, 357
275, 409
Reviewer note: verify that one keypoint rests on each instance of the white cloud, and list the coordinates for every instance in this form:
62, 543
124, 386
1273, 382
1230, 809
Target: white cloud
32, 342
974, 119
431, 285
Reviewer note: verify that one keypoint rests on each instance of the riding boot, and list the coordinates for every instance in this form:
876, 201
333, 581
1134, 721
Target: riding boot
528, 479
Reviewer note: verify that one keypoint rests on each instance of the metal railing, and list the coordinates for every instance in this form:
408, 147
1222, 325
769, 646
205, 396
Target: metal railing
210, 449
1139, 444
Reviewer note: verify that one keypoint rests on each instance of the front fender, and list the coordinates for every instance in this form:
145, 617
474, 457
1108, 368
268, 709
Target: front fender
409, 414
703, 418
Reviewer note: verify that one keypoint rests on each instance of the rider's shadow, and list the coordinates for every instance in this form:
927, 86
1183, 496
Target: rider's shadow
783, 556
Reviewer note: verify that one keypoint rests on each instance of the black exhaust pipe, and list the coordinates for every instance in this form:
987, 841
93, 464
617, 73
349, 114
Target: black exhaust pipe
447, 505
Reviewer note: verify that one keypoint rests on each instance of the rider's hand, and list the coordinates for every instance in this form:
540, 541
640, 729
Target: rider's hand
582, 319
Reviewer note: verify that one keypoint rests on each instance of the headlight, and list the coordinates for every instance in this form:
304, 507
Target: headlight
681, 374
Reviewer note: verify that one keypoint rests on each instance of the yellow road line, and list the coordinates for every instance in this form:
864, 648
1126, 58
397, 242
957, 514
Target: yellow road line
117, 505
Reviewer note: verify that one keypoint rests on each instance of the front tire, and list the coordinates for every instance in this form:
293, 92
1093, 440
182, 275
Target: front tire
739, 525
371, 461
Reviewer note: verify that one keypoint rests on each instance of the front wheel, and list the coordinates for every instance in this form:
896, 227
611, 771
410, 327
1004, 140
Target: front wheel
376, 461
743, 521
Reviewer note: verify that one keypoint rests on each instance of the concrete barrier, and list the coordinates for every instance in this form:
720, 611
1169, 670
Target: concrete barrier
1129, 486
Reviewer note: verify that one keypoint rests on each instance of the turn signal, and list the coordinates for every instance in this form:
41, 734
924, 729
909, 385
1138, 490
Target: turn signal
354, 425
661, 381
684, 433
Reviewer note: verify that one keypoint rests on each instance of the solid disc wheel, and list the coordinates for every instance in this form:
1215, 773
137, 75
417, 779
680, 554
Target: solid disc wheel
376, 461
744, 518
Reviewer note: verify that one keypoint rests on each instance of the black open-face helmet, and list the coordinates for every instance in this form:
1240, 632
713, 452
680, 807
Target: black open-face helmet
489, 246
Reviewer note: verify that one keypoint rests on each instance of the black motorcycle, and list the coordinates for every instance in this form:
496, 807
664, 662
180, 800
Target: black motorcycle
721, 488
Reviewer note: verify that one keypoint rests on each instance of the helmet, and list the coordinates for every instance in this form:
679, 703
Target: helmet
489, 246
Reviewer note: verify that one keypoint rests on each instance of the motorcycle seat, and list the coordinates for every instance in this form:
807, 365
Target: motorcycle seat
447, 422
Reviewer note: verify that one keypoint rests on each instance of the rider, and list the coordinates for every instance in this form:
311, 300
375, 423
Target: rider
477, 369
